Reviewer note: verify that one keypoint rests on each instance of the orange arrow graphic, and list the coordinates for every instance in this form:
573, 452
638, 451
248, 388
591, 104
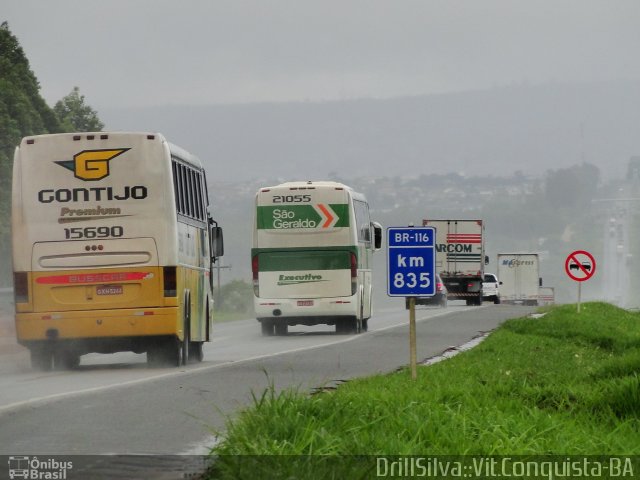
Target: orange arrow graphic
327, 214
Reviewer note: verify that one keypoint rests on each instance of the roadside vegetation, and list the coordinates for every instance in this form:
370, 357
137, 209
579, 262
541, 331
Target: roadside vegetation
234, 301
564, 384
24, 112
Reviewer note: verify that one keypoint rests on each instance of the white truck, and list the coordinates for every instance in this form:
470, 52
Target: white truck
520, 277
460, 257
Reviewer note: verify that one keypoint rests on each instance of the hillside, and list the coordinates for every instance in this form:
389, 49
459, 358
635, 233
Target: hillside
497, 131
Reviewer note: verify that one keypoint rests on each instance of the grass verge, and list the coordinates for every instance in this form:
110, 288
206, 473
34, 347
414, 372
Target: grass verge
564, 384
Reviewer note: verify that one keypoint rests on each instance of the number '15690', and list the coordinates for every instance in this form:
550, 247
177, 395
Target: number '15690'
93, 232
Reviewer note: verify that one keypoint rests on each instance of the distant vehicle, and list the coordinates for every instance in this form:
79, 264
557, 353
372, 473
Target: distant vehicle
491, 288
546, 296
460, 257
113, 248
519, 274
312, 257
440, 298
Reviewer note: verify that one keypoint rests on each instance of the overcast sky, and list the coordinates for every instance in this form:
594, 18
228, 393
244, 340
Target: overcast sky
157, 52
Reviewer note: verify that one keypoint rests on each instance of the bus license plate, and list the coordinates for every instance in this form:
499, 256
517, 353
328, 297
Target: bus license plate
305, 303
109, 290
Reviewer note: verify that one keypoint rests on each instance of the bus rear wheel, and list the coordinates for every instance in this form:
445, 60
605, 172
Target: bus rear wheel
167, 353
196, 352
41, 359
66, 360
281, 328
349, 325
186, 332
266, 327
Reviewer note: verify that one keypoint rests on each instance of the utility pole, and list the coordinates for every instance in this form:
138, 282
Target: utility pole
218, 268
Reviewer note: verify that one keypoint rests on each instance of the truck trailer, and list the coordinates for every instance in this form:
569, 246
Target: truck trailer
520, 277
460, 257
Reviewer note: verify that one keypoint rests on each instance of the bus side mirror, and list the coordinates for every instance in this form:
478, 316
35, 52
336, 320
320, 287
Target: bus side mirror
377, 235
217, 240
486, 259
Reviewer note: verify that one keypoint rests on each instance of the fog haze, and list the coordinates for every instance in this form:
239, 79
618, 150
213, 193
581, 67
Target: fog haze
493, 132
161, 52
265, 91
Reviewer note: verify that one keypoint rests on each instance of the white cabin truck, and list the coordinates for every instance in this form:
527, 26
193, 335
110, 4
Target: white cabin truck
460, 257
312, 257
519, 274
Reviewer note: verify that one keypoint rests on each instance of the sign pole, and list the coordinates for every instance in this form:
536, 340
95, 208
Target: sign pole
579, 295
412, 338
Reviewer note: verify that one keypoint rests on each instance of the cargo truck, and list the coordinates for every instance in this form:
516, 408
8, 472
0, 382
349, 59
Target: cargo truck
520, 277
460, 257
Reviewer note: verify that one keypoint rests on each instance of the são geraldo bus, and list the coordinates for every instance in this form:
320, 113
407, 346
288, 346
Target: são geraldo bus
113, 246
311, 257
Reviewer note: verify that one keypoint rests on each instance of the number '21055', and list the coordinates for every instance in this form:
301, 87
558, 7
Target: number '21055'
93, 232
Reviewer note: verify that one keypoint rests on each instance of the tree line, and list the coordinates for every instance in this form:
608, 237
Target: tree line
24, 112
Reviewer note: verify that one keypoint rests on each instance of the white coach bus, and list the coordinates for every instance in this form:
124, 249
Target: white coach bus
312, 257
113, 246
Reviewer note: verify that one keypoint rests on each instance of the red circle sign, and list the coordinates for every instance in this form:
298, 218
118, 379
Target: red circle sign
580, 265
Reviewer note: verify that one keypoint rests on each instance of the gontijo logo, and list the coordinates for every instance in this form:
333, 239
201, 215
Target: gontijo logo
91, 165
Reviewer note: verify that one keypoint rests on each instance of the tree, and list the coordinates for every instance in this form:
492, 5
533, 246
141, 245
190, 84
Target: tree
572, 187
75, 115
236, 296
22, 112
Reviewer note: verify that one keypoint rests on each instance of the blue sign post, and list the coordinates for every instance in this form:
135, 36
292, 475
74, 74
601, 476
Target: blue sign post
411, 259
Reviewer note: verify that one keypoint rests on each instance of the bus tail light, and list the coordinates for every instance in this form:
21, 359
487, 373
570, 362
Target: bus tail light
254, 270
354, 273
21, 287
169, 280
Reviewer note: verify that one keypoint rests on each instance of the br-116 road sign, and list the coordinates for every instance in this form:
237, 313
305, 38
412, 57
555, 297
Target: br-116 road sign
580, 265
411, 261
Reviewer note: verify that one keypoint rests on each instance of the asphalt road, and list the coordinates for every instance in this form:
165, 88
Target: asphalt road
114, 404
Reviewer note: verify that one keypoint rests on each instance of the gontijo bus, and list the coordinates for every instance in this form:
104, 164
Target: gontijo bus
311, 257
113, 246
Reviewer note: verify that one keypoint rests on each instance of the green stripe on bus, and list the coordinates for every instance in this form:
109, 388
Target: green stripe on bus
271, 260
286, 217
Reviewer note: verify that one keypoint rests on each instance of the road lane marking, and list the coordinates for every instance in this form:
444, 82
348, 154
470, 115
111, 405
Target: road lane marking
32, 402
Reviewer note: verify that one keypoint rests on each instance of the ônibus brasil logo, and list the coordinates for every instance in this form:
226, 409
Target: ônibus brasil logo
91, 165
34, 468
